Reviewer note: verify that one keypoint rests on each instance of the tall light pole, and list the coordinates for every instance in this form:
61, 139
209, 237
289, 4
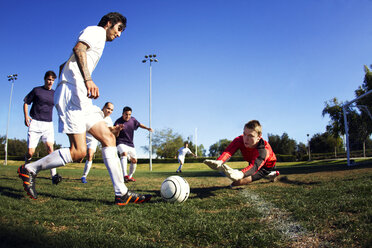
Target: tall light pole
150, 58
308, 144
12, 78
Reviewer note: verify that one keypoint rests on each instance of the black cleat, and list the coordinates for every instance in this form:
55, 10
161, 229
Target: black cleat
56, 179
131, 197
28, 181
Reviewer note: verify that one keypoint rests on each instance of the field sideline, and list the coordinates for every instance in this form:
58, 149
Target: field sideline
313, 204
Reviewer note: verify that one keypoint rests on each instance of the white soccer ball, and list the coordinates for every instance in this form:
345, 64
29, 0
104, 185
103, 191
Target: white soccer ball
175, 189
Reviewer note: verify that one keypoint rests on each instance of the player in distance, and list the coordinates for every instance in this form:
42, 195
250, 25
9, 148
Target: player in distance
40, 120
125, 144
181, 154
77, 114
255, 150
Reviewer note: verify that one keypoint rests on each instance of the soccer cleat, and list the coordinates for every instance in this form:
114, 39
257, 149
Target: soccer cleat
28, 181
56, 179
131, 197
84, 180
126, 179
213, 164
131, 179
272, 176
178, 171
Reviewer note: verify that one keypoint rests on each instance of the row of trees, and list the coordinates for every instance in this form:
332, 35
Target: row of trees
166, 142
18, 148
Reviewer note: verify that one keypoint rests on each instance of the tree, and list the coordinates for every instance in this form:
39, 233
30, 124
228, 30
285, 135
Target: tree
165, 143
325, 142
217, 148
282, 144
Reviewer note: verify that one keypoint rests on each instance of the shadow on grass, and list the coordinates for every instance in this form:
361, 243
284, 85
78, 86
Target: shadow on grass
321, 167
205, 192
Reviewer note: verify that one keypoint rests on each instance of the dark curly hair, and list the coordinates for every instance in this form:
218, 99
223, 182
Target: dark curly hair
113, 17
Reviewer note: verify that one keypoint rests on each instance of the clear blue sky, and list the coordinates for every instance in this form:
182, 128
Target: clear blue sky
221, 63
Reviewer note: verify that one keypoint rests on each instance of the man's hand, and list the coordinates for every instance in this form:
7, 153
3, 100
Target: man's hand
28, 121
92, 89
116, 129
213, 164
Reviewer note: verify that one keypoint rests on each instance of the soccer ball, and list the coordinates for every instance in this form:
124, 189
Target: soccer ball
175, 189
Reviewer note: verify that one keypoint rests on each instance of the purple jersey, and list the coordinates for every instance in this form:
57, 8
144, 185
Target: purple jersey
42, 103
126, 135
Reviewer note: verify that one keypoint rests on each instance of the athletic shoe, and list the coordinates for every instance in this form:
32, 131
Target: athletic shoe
131, 179
84, 180
179, 171
272, 176
213, 164
56, 179
28, 181
131, 197
126, 179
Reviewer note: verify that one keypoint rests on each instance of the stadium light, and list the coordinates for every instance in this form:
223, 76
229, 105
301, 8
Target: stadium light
12, 78
151, 59
308, 145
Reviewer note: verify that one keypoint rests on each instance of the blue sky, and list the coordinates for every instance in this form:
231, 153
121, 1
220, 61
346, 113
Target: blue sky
221, 63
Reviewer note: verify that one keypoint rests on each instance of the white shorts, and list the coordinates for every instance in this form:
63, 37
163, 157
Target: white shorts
131, 152
181, 159
92, 142
40, 130
75, 115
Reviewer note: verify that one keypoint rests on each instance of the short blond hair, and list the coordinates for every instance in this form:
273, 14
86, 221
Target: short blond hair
255, 125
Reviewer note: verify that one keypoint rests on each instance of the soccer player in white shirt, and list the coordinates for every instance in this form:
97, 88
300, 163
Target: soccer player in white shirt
182, 152
92, 143
77, 114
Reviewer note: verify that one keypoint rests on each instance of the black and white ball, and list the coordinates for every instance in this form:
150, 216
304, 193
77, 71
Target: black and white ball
175, 189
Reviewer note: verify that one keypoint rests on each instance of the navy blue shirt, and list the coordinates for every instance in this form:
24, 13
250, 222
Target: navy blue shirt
126, 135
42, 103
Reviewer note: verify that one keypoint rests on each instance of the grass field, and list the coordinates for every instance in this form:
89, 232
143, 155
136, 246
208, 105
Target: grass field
317, 204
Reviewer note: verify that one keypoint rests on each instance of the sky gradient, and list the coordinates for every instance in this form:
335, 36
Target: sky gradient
221, 63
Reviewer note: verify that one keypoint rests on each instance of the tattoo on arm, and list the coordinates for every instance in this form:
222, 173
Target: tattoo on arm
80, 51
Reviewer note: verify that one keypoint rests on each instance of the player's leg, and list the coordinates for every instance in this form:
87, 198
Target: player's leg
179, 170
133, 164
123, 160
55, 159
88, 165
33, 138
109, 152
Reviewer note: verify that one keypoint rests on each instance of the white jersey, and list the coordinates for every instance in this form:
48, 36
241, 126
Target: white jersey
95, 38
183, 151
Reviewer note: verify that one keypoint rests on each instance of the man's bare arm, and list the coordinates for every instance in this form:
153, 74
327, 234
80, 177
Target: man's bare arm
80, 51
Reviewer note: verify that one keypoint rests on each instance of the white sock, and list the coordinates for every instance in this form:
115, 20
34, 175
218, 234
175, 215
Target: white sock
88, 165
53, 172
124, 164
132, 169
111, 160
55, 159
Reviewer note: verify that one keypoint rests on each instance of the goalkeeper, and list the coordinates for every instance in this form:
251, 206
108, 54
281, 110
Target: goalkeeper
255, 150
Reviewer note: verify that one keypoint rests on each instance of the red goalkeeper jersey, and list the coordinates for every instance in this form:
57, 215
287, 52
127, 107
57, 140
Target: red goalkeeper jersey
261, 156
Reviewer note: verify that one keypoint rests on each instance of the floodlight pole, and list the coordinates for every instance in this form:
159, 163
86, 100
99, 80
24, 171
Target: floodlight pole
308, 144
150, 58
12, 78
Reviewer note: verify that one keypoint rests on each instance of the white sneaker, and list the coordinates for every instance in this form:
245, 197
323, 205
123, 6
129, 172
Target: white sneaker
272, 176
213, 164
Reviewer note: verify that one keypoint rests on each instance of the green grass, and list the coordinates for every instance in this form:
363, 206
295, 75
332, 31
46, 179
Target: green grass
317, 204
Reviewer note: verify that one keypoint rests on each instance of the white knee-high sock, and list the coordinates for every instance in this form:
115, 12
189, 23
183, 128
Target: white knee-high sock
53, 160
180, 167
88, 165
53, 172
132, 169
124, 164
111, 160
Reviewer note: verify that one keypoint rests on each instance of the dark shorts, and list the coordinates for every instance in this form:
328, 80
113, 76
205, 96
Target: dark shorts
263, 172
